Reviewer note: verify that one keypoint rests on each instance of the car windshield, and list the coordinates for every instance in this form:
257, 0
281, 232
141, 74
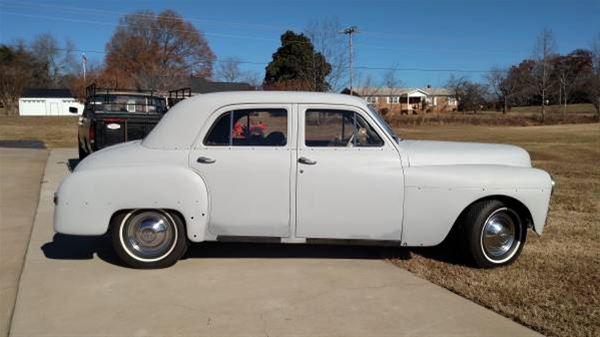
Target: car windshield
384, 124
128, 104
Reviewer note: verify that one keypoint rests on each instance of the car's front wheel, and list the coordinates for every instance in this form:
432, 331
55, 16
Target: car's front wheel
495, 233
149, 238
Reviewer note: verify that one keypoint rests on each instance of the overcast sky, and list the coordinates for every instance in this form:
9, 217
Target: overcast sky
436, 37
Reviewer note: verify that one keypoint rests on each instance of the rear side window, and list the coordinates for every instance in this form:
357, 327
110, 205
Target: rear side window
249, 127
338, 128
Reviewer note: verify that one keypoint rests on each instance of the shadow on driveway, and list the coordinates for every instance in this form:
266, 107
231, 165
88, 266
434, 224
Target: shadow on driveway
70, 247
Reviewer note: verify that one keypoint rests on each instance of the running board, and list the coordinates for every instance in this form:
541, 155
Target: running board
315, 241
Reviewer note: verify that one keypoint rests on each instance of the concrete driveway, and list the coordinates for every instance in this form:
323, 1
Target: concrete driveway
21, 173
74, 286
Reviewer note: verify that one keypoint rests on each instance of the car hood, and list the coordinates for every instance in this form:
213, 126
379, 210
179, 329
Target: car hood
424, 153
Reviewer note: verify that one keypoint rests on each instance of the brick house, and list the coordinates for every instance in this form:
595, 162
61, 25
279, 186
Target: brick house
408, 100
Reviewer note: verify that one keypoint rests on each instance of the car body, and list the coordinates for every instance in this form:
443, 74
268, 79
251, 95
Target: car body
299, 167
116, 116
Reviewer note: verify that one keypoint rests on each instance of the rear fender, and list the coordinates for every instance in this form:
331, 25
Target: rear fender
87, 199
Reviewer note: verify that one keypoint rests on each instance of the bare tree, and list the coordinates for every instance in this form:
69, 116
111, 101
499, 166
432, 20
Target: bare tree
593, 82
502, 85
19, 69
327, 40
367, 85
392, 84
229, 70
45, 48
457, 87
151, 51
474, 97
570, 72
543, 53
253, 78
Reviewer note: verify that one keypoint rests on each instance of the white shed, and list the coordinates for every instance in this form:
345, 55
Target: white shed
48, 102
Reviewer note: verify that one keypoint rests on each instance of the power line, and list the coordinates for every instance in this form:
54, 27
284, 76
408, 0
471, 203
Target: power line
377, 68
371, 46
142, 14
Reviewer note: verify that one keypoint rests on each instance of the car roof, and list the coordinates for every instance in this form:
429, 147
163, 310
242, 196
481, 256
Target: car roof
276, 97
180, 125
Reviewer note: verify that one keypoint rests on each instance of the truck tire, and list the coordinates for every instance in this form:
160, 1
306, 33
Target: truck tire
82, 152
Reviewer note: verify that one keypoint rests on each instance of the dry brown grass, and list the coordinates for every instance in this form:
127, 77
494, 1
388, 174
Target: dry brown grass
54, 131
554, 287
518, 116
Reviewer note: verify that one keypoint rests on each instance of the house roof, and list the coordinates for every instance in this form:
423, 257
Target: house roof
374, 91
203, 86
46, 93
438, 91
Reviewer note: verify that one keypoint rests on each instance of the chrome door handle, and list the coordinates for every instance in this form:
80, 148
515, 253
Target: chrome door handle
205, 160
306, 161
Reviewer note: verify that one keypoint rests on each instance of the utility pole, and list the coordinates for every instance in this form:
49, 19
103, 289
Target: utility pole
349, 31
84, 63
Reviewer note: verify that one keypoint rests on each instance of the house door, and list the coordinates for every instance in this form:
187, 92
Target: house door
53, 109
349, 177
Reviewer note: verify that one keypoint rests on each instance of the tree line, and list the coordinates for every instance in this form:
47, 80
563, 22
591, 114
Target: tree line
159, 51
546, 78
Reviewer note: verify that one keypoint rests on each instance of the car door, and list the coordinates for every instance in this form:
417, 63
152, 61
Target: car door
349, 176
244, 156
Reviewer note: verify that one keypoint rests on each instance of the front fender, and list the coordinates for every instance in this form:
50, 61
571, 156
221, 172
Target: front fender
87, 199
436, 195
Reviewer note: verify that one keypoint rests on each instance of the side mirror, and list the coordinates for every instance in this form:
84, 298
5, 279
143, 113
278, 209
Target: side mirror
73, 110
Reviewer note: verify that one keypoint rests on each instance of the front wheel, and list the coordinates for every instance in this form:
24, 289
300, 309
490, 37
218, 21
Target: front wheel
148, 238
495, 233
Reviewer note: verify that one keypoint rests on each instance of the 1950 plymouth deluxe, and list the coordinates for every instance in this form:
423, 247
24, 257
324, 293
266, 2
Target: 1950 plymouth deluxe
297, 168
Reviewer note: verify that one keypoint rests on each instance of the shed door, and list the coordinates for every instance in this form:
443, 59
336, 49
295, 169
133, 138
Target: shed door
53, 109
349, 177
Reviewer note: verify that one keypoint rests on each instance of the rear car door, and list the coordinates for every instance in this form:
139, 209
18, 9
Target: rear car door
244, 156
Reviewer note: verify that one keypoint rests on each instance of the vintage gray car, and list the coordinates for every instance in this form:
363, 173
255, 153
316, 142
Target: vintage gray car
299, 168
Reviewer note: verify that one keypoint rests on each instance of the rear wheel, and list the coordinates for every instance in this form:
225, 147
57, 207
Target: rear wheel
495, 233
149, 238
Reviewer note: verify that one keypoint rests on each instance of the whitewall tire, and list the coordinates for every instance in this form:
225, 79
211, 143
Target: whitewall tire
148, 238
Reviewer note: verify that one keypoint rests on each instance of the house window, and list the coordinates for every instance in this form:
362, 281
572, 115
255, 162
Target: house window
249, 127
372, 99
393, 99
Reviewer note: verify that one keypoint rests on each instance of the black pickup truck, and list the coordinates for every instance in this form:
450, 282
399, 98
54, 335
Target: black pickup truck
114, 116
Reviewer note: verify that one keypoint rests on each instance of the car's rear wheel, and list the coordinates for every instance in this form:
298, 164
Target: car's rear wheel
495, 233
149, 238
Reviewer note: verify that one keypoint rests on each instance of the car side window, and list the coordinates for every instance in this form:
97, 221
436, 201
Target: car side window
249, 127
338, 128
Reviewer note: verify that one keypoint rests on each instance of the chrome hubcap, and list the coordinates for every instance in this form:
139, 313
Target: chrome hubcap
500, 235
149, 234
